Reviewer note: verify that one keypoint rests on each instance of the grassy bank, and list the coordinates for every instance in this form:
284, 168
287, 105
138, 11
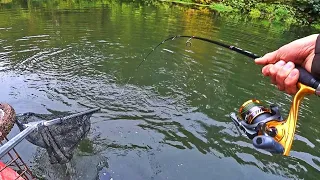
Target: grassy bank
274, 12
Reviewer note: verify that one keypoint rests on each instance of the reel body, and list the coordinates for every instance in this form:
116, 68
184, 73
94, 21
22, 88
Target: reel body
266, 127
261, 125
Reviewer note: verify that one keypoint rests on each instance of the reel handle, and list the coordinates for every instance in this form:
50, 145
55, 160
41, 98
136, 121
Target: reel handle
307, 79
267, 143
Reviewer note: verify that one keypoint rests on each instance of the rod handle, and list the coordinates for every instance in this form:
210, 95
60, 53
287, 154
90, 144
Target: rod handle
306, 78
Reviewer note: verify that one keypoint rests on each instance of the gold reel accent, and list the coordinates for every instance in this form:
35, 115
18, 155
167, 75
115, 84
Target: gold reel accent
286, 130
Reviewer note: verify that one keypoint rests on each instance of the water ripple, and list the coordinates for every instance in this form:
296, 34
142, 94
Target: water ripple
172, 117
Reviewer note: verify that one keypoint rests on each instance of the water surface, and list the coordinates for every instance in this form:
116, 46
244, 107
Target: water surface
171, 120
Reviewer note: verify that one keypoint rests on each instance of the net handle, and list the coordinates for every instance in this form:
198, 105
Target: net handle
59, 120
4, 149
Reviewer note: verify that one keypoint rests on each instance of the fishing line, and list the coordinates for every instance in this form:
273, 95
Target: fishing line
189, 44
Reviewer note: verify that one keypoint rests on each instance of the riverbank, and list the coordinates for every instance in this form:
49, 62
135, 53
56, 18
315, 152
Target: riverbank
283, 14
273, 13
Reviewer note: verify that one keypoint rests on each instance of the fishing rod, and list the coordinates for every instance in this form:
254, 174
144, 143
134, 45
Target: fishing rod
265, 126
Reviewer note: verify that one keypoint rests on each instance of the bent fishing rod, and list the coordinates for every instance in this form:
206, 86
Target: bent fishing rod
265, 126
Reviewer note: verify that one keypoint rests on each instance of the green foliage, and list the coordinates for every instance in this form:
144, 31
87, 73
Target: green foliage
316, 26
187, 1
237, 4
309, 8
284, 11
287, 10
281, 13
221, 7
272, 10
255, 13
203, 1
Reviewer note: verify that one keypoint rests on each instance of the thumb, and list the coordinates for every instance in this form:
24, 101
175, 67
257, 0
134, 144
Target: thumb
268, 58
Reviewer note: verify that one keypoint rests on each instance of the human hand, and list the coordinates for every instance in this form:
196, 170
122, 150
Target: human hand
279, 65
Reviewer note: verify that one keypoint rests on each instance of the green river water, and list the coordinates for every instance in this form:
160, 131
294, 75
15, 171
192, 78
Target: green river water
171, 120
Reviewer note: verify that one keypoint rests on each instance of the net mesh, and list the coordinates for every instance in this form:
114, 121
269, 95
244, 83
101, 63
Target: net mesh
59, 140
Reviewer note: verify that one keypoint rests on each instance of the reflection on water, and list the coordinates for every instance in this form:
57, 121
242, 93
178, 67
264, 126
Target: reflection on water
171, 121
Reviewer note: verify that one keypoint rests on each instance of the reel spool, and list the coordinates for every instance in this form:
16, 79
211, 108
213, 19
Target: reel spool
253, 112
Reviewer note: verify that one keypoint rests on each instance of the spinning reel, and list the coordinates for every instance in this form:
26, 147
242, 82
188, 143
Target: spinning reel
260, 124
266, 127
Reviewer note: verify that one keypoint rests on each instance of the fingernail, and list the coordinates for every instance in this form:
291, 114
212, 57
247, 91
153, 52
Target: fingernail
289, 65
258, 60
293, 74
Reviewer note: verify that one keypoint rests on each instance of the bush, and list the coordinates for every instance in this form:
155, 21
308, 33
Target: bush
311, 8
289, 11
255, 13
244, 5
221, 7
